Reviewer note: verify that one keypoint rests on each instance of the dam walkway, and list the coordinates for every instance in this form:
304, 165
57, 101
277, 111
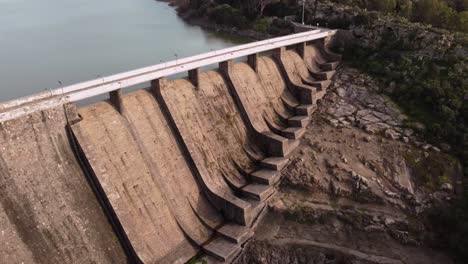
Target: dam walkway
158, 175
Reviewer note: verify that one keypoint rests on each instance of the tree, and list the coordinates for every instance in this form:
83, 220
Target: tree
435, 12
386, 6
463, 21
261, 6
316, 2
255, 8
404, 8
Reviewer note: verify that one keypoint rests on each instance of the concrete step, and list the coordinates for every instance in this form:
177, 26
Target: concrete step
321, 94
292, 145
289, 103
210, 259
322, 85
252, 154
329, 66
265, 176
257, 208
275, 128
305, 110
324, 75
257, 192
274, 163
281, 115
235, 233
299, 121
222, 249
293, 132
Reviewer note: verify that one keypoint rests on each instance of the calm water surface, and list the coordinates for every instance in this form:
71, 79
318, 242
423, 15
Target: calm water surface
44, 42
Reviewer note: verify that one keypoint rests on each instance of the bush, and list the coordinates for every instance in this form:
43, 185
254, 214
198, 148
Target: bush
450, 226
435, 12
405, 8
385, 6
280, 27
447, 14
280, 9
463, 21
262, 24
227, 15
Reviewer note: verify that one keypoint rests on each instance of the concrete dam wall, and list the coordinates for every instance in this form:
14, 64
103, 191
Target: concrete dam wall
162, 174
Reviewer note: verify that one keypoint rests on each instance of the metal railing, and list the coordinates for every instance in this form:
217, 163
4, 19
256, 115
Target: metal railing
88, 89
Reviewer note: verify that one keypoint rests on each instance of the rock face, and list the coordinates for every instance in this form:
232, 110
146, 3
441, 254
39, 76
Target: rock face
353, 192
356, 102
423, 41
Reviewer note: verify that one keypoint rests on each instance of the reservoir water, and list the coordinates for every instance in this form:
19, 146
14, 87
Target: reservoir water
45, 43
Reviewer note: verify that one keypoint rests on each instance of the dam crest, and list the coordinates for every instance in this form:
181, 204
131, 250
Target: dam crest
161, 174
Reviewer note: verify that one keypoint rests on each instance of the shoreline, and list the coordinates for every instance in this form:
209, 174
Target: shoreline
208, 25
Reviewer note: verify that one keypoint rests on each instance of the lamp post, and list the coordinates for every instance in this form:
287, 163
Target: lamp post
303, 9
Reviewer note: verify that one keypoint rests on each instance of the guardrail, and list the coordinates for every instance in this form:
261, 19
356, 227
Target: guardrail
88, 89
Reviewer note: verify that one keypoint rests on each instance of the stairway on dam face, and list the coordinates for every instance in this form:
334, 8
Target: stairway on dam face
264, 102
250, 93
216, 138
283, 110
310, 75
232, 111
177, 168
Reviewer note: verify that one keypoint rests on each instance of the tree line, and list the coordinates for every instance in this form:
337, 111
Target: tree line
448, 14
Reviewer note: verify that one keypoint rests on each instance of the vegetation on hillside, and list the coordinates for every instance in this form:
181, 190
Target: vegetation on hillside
447, 14
241, 14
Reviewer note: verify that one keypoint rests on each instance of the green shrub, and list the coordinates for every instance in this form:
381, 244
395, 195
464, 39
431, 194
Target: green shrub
435, 12
405, 8
450, 226
463, 6
386, 6
446, 14
262, 24
463, 21
280, 27
227, 15
280, 9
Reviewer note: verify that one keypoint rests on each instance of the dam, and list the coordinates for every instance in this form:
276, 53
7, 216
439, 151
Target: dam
158, 175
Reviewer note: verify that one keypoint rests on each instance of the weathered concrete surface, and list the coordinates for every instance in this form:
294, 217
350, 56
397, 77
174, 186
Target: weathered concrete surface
213, 131
257, 100
269, 142
168, 165
48, 212
299, 73
275, 88
145, 177
315, 62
